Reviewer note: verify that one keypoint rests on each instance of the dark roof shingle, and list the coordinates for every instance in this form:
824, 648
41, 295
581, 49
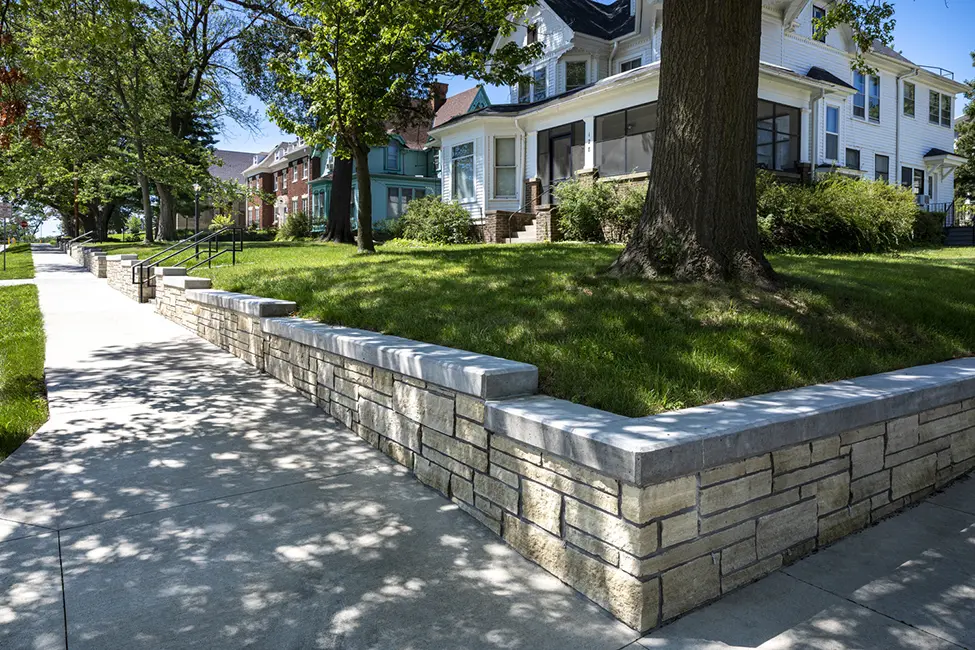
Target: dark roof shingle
234, 164
605, 21
455, 105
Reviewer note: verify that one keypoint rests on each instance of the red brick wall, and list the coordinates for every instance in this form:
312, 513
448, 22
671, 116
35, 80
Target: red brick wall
263, 183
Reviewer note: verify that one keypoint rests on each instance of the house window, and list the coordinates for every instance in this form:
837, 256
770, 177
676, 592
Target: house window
294, 206
913, 178
832, 133
818, 14
853, 159
532, 34
275, 182
939, 108
632, 64
304, 205
910, 92
625, 139
304, 168
505, 182
392, 155
881, 166
860, 99
524, 92
575, 74
778, 136
866, 102
539, 85
397, 198
462, 171
294, 174
284, 179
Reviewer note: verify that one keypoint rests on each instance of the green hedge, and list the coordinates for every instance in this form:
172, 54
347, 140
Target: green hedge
837, 215
596, 212
433, 221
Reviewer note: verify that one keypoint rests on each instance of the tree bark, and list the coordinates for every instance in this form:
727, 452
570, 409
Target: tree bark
364, 183
339, 227
167, 212
699, 220
105, 213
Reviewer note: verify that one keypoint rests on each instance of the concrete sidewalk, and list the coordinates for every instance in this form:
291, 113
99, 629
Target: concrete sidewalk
184, 500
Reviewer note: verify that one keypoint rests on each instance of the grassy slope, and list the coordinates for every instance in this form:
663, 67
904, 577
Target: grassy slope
22, 395
20, 265
634, 347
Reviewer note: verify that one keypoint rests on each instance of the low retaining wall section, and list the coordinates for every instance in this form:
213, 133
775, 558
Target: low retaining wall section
648, 517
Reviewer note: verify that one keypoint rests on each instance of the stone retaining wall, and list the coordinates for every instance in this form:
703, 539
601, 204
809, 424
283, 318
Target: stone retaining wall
119, 272
648, 517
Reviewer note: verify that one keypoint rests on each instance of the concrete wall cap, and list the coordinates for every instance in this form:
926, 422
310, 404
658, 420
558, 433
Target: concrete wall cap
643, 451
466, 372
243, 303
186, 282
169, 270
124, 256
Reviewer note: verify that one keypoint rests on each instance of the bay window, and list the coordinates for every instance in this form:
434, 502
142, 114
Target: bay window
625, 139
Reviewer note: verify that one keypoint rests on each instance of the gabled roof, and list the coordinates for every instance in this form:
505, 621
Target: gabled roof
234, 164
820, 74
882, 49
938, 152
456, 105
605, 21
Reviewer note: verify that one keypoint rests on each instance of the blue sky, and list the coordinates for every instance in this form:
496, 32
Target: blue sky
929, 32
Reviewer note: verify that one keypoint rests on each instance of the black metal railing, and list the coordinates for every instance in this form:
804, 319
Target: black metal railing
938, 70
83, 238
143, 271
947, 208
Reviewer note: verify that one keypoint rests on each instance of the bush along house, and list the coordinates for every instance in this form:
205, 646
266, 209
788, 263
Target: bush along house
284, 174
590, 110
406, 168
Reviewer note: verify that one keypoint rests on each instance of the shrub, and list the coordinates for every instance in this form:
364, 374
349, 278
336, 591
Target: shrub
836, 215
296, 226
387, 229
134, 226
929, 229
583, 204
625, 211
221, 221
430, 220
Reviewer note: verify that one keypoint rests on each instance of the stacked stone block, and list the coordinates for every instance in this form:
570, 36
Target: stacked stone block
119, 272
647, 553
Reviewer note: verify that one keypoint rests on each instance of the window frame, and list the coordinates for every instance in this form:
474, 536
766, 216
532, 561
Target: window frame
393, 148
871, 81
626, 132
539, 73
585, 73
780, 110
946, 103
305, 164
864, 99
294, 173
531, 34
512, 168
817, 8
877, 174
913, 104
828, 133
936, 105
454, 159
631, 64
855, 153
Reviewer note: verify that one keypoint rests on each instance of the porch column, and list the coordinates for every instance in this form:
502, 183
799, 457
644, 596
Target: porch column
531, 155
590, 152
805, 136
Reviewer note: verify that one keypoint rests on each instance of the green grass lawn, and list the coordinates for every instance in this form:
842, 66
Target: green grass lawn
20, 265
627, 346
23, 407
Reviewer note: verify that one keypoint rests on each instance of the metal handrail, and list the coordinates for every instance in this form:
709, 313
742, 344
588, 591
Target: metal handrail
937, 69
192, 238
143, 267
85, 235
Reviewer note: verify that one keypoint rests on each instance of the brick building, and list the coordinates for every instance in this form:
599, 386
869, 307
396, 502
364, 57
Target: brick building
282, 176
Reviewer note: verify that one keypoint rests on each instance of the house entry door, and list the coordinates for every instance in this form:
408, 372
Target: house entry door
561, 159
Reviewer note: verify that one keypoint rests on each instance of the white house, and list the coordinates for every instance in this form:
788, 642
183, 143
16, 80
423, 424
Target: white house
591, 108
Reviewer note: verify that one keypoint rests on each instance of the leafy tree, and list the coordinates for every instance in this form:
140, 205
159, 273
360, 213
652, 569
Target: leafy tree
699, 216
364, 67
965, 146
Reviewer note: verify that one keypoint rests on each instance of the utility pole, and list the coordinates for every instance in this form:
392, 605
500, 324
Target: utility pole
196, 214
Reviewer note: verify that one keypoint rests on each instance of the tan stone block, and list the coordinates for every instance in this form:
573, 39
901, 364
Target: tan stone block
505, 476
933, 429
427, 408
471, 408
825, 449
634, 602
610, 528
748, 511
902, 433
456, 449
737, 556
592, 545
563, 484
517, 449
346, 388
833, 493
461, 489
939, 412
811, 473
963, 445
844, 522
382, 381
750, 574
433, 475
653, 501
791, 458
913, 476
676, 555
496, 491
397, 452
690, 585
734, 493
678, 529
493, 524
867, 457
863, 433
447, 462
579, 473
389, 423
541, 506
491, 509
373, 396
870, 485
778, 531
470, 432
913, 453
723, 473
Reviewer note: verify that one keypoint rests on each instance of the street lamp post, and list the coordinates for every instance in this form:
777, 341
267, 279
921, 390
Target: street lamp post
196, 214
5, 211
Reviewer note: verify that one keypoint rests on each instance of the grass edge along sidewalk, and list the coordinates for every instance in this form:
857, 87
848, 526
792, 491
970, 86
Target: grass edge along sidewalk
20, 263
23, 396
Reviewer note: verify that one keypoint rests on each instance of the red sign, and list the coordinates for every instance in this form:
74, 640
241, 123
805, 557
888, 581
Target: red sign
23, 224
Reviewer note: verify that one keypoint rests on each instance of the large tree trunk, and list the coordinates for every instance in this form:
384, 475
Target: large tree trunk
104, 217
699, 220
364, 183
167, 212
339, 227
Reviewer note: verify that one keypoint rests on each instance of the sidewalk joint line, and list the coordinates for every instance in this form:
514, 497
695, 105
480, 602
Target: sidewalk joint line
964, 512
64, 595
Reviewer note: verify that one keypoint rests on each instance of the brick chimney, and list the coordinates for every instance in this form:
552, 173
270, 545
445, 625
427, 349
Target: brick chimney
438, 95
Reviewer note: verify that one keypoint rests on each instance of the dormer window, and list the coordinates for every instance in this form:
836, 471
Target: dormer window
818, 14
632, 64
575, 74
392, 155
532, 35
